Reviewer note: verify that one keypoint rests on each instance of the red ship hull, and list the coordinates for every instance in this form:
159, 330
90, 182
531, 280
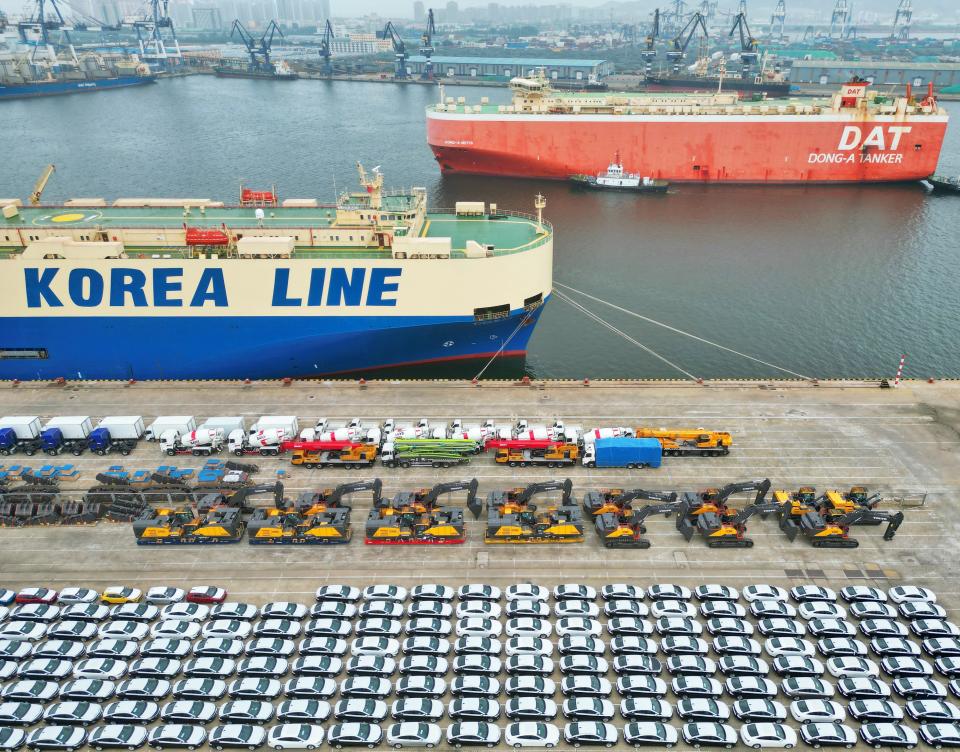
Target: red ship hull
691, 148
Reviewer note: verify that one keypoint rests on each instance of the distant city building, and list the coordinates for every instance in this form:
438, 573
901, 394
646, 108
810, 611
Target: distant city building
452, 14
505, 68
419, 13
359, 44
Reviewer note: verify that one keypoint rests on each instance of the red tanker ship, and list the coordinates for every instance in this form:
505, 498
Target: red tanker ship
856, 136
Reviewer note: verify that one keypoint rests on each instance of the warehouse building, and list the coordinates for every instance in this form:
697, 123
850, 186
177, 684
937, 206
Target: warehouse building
888, 72
505, 68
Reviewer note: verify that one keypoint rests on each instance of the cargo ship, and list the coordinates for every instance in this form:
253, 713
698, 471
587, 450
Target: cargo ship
278, 71
856, 136
79, 79
195, 289
751, 85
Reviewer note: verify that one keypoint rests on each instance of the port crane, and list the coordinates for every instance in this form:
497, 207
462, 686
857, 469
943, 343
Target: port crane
35, 31
259, 51
150, 38
840, 19
399, 51
778, 21
749, 47
649, 53
325, 52
682, 40
426, 47
902, 21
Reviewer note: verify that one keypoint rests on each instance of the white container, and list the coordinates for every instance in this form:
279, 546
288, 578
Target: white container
226, 423
72, 427
123, 426
288, 423
24, 426
179, 423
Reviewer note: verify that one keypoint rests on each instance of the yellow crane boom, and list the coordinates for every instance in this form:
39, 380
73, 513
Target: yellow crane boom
41, 184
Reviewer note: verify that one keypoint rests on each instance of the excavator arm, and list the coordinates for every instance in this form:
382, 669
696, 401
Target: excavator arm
762, 487
239, 498
666, 508
867, 516
457, 485
375, 485
551, 485
668, 497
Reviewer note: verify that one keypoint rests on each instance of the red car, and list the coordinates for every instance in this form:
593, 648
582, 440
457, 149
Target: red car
36, 595
207, 594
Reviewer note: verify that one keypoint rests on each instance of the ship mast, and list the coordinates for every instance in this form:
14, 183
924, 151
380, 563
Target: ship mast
373, 186
540, 203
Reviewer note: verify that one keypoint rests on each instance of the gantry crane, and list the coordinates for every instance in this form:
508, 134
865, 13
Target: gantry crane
902, 21
325, 52
34, 31
649, 53
150, 37
399, 51
749, 46
258, 50
840, 19
778, 21
426, 47
682, 40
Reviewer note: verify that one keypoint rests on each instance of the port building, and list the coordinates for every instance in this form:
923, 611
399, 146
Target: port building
505, 68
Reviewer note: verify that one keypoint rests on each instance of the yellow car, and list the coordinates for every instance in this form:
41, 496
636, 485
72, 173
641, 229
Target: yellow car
121, 594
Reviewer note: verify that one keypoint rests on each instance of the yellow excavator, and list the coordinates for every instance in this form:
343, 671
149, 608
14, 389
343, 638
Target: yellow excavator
721, 531
618, 524
511, 518
416, 518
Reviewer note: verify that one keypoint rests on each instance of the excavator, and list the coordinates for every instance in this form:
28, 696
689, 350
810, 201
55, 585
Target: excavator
835, 532
319, 519
723, 531
835, 504
714, 500
618, 524
688, 443
511, 518
238, 499
187, 526
414, 517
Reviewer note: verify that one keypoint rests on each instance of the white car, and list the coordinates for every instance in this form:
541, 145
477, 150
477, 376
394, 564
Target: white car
803, 593
233, 610
531, 734
478, 591
179, 630
78, 595
478, 608
572, 607
577, 625
480, 627
24, 630
176, 735
768, 735
622, 591
862, 593
295, 736
161, 595
432, 592
905, 593
574, 591
753, 593
420, 609
716, 593
667, 592
526, 591
473, 733
590, 732
775, 646
672, 608
338, 593
57, 737
185, 612
817, 711
843, 666
100, 668
384, 646
421, 646
821, 610
385, 593
526, 645
413, 734
527, 627
231, 629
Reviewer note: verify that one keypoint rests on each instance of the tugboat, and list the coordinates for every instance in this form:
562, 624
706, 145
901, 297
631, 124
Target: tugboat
617, 179
942, 184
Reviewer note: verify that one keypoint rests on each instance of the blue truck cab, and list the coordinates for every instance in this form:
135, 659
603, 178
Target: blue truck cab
100, 442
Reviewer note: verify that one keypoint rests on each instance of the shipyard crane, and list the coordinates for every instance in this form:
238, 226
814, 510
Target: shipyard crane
258, 50
41, 184
3, 22
748, 44
778, 21
399, 50
649, 53
902, 21
672, 20
325, 44
426, 47
682, 40
34, 31
839, 19
150, 37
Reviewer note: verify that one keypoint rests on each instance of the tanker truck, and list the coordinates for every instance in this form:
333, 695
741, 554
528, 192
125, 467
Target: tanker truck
267, 442
199, 443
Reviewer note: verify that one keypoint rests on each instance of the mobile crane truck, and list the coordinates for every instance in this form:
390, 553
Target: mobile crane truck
511, 518
617, 523
428, 452
318, 519
535, 452
349, 455
688, 443
415, 518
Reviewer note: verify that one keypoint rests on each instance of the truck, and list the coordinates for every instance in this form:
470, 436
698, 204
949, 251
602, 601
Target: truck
116, 433
288, 423
226, 423
562, 432
622, 452
199, 443
66, 433
346, 454
182, 424
324, 430
267, 442
428, 452
606, 433
20, 433
689, 442
392, 430
547, 453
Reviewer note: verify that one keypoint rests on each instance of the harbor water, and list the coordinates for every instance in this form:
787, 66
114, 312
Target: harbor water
826, 281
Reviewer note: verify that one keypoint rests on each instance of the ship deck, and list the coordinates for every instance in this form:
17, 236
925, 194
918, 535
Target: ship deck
509, 232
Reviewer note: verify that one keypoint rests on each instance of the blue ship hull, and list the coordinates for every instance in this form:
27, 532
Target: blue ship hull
252, 347
54, 88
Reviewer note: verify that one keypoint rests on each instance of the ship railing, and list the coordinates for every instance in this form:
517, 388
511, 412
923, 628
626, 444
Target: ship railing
547, 226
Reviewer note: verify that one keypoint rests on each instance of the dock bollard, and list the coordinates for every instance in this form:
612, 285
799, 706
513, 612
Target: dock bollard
586, 382
287, 381
363, 383
246, 382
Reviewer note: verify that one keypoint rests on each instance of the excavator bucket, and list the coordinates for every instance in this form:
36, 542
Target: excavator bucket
789, 527
475, 505
895, 522
685, 527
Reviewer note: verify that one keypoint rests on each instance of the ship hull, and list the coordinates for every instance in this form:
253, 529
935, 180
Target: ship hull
57, 88
729, 83
690, 148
